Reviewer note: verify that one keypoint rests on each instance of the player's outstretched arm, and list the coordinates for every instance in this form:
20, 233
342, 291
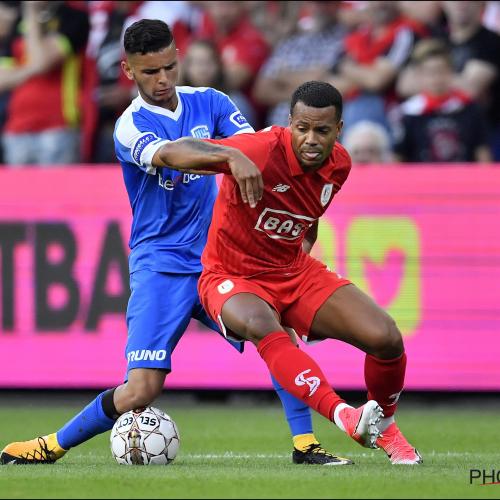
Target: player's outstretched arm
195, 155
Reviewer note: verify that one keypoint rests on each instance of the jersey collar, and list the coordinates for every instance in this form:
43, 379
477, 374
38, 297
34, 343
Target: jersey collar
324, 171
174, 115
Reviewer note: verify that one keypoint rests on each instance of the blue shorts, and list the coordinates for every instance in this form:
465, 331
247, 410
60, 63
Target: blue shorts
159, 310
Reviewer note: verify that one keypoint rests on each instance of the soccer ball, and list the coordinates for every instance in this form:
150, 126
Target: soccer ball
146, 436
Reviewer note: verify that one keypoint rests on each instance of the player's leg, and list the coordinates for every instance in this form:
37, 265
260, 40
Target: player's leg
158, 313
307, 449
250, 317
352, 316
154, 328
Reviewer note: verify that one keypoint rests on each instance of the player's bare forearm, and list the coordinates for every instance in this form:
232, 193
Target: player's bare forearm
310, 238
188, 154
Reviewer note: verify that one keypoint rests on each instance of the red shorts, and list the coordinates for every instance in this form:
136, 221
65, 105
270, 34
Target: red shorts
295, 296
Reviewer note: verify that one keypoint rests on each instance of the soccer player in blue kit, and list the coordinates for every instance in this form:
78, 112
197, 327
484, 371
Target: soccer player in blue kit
171, 216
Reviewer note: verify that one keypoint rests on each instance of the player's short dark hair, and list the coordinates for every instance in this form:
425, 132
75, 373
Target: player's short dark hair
318, 95
147, 35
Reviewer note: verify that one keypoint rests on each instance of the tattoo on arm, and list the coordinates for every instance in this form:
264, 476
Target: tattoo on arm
202, 146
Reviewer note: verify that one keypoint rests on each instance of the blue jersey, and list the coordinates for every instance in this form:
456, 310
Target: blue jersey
171, 210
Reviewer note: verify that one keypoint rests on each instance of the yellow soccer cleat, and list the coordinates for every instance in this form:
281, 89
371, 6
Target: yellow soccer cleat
41, 450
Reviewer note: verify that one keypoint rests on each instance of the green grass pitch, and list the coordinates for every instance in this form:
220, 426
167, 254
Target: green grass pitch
244, 451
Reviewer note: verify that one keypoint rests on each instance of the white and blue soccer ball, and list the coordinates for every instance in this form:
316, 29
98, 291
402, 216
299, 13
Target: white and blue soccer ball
146, 436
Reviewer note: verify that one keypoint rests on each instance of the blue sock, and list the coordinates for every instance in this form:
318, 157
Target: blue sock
88, 423
297, 413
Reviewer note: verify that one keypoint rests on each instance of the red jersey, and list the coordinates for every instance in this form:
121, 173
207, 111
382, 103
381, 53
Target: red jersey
244, 44
248, 241
51, 100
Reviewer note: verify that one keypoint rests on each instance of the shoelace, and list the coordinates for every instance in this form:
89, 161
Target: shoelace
39, 454
316, 448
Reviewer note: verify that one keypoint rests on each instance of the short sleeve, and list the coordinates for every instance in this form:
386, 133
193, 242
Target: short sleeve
136, 142
228, 118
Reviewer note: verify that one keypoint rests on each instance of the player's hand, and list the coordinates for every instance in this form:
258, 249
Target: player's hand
248, 177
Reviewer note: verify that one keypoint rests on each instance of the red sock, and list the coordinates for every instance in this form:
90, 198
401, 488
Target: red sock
384, 380
298, 373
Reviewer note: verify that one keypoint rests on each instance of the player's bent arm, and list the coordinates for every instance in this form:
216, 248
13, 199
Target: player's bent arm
310, 238
188, 154
194, 155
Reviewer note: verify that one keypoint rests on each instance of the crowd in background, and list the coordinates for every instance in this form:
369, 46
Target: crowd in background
420, 80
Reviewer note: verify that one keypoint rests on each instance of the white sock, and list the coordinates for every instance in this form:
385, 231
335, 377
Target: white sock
336, 418
384, 423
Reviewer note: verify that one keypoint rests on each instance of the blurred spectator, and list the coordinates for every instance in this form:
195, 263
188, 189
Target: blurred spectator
202, 67
368, 143
9, 12
111, 91
427, 12
475, 54
442, 123
491, 16
242, 47
275, 20
353, 13
476, 58
375, 53
183, 18
43, 110
307, 55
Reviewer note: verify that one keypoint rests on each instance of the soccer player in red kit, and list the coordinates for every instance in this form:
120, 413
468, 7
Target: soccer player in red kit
259, 279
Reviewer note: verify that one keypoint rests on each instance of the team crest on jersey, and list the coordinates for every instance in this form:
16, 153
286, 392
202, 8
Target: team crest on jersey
225, 287
200, 132
326, 194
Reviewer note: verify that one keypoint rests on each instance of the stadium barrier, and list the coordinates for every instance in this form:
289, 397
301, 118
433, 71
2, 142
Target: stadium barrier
423, 241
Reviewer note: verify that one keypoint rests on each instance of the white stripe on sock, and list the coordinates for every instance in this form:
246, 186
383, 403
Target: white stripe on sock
336, 418
384, 423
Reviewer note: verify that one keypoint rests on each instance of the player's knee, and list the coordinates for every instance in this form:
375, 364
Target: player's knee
386, 341
257, 326
141, 393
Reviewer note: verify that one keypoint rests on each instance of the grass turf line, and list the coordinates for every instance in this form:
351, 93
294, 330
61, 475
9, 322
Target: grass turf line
243, 452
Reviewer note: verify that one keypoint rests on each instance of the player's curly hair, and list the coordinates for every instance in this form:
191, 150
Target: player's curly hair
147, 35
318, 95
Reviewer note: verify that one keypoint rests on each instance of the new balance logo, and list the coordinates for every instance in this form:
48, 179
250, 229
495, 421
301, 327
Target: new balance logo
281, 188
312, 382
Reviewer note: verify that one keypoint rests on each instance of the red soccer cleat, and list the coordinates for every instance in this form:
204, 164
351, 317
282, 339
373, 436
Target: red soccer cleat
398, 449
360, 423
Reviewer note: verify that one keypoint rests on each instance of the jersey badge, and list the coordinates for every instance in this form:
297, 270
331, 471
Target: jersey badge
326, 194
239, 120
225, 287
200, 132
